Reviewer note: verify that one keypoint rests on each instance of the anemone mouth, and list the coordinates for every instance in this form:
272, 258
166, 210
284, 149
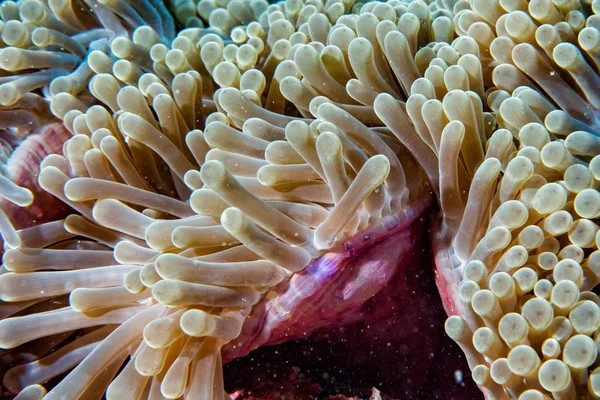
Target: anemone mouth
351, 354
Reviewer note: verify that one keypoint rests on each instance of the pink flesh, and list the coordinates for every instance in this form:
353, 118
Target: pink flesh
370, 304
369, 312
446, 267
24, 167
332, 289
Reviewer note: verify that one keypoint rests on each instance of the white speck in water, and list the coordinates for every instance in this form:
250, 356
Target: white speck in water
458, 376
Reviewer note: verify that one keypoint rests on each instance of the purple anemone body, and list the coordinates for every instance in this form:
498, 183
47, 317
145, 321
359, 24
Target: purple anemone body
367, 310
23, 167
333, 289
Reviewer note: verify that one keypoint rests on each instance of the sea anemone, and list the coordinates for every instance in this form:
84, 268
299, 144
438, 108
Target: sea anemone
225, 183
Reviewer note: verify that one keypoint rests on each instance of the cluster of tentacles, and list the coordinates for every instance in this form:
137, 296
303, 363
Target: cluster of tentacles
204, 168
